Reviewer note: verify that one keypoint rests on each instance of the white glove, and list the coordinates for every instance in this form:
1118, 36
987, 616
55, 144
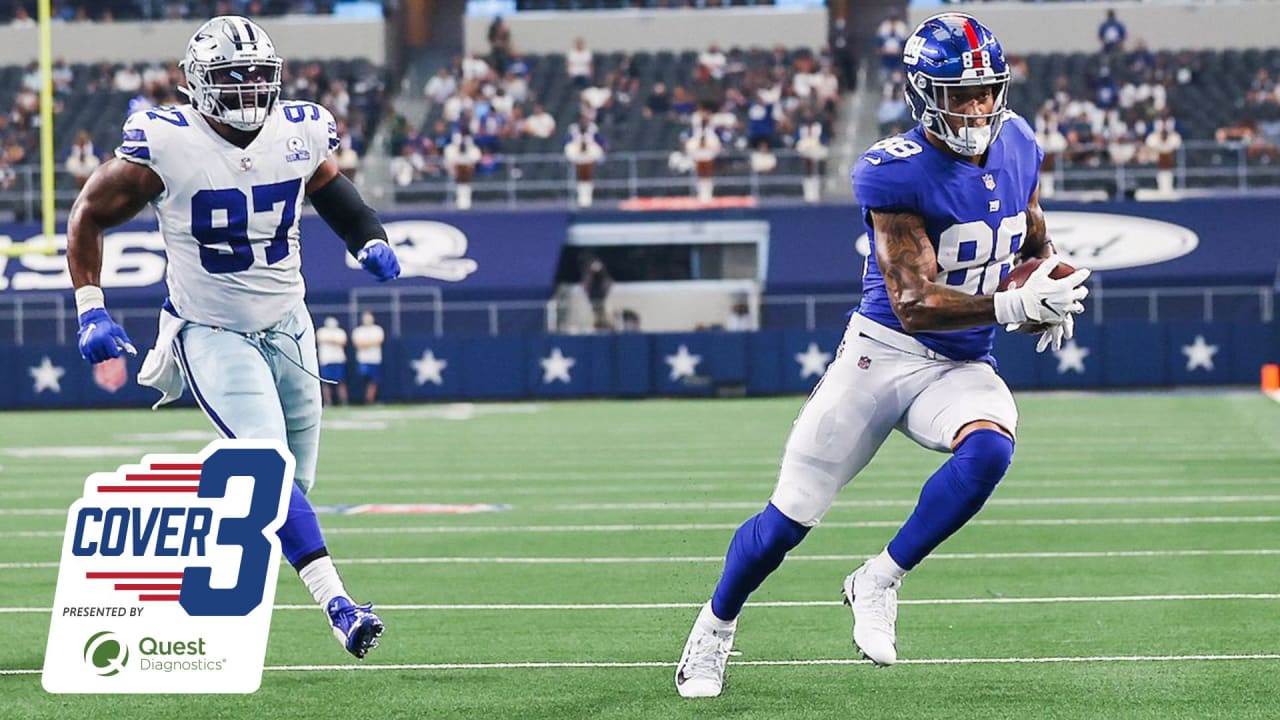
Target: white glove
1043, 299
1064, 330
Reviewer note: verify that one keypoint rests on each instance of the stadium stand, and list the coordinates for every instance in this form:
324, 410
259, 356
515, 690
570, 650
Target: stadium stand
96, 98
640, 102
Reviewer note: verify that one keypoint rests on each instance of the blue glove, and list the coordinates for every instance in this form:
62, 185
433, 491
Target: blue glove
379, 260
101, 338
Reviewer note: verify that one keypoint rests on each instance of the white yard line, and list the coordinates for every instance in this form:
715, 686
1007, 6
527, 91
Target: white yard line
375, 667
692, 527
911, 502
574, 607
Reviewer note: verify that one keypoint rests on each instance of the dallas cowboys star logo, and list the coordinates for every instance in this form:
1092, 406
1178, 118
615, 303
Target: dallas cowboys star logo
683, 364
812, 361
556, 367
428, 368
1071, 358
46, 376
1200, 354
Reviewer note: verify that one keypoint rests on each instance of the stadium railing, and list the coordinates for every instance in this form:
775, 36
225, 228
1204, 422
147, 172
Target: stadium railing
50, 317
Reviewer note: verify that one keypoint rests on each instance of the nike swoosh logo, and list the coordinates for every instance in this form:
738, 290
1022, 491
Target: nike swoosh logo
680, 678
1048, 307
298, 337
872, 160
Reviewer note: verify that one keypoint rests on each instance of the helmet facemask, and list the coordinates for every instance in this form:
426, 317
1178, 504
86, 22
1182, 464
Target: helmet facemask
933, 101
240, 93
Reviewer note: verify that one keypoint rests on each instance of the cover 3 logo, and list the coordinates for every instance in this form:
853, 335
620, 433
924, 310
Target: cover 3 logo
168, 574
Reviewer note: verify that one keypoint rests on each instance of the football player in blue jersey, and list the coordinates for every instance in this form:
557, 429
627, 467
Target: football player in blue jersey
950, 206
235, 328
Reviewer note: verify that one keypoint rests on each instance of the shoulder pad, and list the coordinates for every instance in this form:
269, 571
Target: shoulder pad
143, 129
315, 121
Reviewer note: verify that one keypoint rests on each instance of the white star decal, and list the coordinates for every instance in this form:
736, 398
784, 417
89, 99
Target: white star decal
47, 376
428, 367
683, 363
1200, 354
1071, 357
556, 367
812, 361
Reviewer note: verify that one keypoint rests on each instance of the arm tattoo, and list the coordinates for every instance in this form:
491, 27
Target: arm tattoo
1036, 242
910, 268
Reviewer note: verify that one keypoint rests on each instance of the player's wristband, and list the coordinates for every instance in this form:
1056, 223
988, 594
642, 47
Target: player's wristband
89, 297
1009, 307
373, 242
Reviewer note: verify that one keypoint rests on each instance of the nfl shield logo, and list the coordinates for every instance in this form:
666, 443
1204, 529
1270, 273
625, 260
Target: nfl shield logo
864, 362
111, 375
989, 180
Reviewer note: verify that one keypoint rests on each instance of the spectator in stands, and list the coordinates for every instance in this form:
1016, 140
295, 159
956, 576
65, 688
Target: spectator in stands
1053, 142
1262, 89
702, 146
811, 144
596, 98
440, 87
705, 89
407, 166
516, 81
584, 149
331, 348
713, 60
596, 283
22, 18
579, 64
475, 68
499, 45
739, 319
368, 338
682, 104
1106, 93
1244, 132
127, 79
658, 103
1165, 141
846, 60
893, 103
890, 37
345, 155
763, 116
461, 156
1111, 33
540, 124
83, 159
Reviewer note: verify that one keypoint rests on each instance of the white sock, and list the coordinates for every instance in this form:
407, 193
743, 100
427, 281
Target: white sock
884, 564
321, 578
708, 619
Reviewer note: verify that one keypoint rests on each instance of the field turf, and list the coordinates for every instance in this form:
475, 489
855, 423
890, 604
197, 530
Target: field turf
1127, 567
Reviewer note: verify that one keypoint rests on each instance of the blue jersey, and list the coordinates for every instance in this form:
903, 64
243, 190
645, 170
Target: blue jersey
974, 215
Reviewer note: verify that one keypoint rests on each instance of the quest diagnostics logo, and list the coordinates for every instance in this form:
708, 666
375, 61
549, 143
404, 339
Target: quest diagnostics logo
106, 654
169, 570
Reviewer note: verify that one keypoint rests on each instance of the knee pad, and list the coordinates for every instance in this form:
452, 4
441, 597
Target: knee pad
983, 457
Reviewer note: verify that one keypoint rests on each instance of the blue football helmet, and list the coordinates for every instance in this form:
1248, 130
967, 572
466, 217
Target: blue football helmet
950, 51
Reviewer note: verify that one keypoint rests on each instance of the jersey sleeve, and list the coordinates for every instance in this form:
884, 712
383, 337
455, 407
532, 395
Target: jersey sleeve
135, 144
327, 133
885, 181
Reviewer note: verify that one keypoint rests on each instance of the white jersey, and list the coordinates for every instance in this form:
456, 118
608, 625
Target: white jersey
368, 341
229, 216
331, 343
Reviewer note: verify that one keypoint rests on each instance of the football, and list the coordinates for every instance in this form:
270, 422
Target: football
1019, 274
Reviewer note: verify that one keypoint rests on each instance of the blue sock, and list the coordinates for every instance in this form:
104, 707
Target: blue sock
756, 550
955, 493
300, 536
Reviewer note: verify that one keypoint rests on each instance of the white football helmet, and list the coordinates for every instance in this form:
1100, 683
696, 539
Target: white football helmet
233, 72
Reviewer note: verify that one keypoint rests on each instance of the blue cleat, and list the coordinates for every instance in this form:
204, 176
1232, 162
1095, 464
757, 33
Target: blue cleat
355, 626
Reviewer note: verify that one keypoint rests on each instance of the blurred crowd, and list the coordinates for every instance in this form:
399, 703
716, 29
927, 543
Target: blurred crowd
23, 12
355, 99
753, 101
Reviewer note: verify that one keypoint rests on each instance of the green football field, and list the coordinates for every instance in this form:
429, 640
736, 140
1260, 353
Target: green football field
1128, 566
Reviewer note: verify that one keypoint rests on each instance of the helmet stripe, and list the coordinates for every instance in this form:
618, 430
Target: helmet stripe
235, 34
248, 29
971, 34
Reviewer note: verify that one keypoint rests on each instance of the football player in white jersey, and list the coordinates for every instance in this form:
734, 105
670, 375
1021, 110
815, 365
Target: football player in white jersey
226, 175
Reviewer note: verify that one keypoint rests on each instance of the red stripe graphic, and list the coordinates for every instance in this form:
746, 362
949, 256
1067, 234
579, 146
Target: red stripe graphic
163, 476
972, 34
176, 466
148, 489
133, 576
147, 586
148, 598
